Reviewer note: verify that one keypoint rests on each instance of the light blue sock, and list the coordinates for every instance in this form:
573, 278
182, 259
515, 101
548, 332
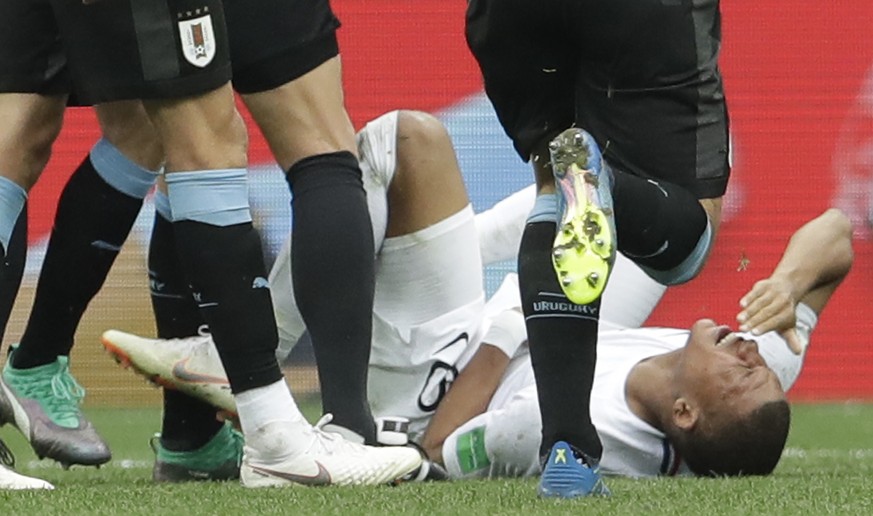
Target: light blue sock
215, 197
120, 172
545, 209
12, 199
162, 205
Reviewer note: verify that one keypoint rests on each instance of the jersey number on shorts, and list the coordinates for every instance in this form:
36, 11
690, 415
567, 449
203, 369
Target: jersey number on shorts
440, 378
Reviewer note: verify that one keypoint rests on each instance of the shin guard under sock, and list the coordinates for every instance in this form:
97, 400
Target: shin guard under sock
95, 213
221, 255
188, 423
226, 270
333, 270
563, 345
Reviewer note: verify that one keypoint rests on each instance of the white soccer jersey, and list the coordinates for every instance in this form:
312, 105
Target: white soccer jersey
631, 447
504, 441
430, 317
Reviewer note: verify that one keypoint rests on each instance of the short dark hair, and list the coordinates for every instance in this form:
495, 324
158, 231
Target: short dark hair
751, 445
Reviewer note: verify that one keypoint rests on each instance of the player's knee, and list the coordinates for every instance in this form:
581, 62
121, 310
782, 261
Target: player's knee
420, 130
204, 132
126, 125
31, 126
689, 267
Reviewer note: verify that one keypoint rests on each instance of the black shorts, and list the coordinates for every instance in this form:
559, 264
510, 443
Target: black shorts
113, 49
640, 75
278, 41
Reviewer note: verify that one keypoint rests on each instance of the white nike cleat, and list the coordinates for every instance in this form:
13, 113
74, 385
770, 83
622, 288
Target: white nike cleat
189, 365
323, 459
11, 480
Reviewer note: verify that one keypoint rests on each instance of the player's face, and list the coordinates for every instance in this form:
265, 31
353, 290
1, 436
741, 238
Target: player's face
722, 372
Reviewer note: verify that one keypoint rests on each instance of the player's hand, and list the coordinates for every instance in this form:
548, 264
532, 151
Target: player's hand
770, 306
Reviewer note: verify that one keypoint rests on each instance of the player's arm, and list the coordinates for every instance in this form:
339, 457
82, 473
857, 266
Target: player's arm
818, 256
472, 390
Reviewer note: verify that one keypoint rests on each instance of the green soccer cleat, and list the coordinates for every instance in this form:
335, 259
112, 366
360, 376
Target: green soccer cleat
43, 403
219, 459
584, 248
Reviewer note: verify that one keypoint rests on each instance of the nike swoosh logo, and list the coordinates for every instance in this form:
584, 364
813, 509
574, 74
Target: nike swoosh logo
181, 371
322, 478
106, 246
462, 337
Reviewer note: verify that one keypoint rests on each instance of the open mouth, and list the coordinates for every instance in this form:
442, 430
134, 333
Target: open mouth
725, 337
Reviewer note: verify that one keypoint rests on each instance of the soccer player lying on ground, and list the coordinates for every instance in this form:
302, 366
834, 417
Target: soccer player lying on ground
434, 331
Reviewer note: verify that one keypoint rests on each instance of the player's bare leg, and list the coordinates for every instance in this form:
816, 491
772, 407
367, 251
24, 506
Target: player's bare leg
312, 138
57, 430
220, 250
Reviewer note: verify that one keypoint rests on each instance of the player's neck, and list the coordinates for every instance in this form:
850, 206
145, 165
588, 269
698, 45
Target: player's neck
649, 391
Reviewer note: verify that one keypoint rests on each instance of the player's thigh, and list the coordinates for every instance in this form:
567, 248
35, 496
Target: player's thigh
306, 116
286, 65
126, 125
202, 132
33, 87
427, 185
426, 275
30, 124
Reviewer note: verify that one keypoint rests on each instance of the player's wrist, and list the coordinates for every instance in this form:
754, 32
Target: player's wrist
507, 332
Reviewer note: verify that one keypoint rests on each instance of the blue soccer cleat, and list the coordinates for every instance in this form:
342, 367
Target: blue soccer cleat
568, 473
585, 243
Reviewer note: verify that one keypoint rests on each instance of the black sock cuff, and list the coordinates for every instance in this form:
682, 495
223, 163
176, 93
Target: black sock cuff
324, 170
86, 177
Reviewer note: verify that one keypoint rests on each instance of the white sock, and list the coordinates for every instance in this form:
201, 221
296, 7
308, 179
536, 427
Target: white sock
500, 227
262, 405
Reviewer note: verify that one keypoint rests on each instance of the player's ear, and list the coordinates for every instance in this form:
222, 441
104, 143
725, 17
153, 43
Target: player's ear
685, 415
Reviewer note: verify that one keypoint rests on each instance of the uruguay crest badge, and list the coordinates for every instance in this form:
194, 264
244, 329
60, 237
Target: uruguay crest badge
198, 40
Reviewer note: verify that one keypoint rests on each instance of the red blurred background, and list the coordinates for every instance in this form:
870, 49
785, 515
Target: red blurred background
795, 79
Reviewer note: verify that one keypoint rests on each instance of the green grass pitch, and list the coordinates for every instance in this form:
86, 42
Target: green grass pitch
827, 469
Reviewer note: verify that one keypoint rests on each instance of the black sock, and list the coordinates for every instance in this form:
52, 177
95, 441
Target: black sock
188, 423
650, 214
13, 261
91, 224
225, 267
334, 280
563, 345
